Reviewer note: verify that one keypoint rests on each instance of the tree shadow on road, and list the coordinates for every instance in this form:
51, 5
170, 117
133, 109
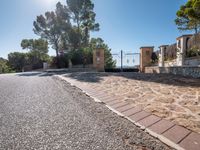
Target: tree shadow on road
36, 74
95, 77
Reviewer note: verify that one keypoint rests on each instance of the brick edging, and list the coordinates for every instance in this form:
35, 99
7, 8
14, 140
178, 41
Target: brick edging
175, 136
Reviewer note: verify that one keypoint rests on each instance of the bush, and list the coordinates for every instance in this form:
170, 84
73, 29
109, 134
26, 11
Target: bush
4, 66
82, 56
193, 52
61, 62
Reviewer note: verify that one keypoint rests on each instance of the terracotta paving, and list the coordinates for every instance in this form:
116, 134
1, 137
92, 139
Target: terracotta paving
161, 126
167, 105
176, 133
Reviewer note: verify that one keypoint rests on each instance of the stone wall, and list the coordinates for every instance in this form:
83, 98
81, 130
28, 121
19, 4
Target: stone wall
192, 61
183, 71
170, 63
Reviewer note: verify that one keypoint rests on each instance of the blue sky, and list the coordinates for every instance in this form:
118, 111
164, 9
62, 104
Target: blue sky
125, 24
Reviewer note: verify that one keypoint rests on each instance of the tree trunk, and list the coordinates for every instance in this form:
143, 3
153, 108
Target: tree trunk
57, 59
57, 54
79, 33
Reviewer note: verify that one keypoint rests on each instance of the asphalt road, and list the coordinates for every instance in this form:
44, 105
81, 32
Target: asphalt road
39, 111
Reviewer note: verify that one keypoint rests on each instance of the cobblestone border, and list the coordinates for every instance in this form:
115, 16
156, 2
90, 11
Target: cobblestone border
169, 133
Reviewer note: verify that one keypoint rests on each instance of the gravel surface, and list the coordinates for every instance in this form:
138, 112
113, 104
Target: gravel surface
39, 111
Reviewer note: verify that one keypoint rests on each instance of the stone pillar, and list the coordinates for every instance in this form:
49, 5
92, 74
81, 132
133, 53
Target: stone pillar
98, 59
70, 64
45, 65
181, 48
162, 55
145, 57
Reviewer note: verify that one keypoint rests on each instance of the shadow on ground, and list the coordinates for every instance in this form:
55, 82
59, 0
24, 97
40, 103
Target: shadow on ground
32, 74
93, 77
168, 79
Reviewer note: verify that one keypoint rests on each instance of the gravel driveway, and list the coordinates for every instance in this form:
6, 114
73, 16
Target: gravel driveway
38, 111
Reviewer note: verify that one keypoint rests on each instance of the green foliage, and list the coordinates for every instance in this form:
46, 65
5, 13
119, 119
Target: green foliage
188, 16
194, 51
18, 60
63, 61
39, 45
85, 55
4, 66
154, 58
37, 52
81, 56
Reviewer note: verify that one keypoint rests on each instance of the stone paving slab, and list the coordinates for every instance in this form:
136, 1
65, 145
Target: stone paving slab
179, 136
176, 133
139, 116
148, 121
113, 102
161, 126
124, 108
119, 105
191, 142
132, 111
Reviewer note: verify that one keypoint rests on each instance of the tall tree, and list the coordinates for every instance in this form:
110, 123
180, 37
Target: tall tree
83, 15
53, 26
188, 16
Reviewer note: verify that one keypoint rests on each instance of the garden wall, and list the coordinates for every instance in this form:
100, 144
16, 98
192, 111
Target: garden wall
170, 63
192, 61
184, 71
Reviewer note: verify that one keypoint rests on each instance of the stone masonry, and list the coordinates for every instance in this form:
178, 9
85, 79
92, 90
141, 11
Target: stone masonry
145, 57
98, 59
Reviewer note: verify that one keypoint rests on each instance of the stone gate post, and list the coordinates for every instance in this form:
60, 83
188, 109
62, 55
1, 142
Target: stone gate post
98, 59
181, 48
145, 57
162, 55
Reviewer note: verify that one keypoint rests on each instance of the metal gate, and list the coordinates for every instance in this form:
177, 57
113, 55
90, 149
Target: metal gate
126, 60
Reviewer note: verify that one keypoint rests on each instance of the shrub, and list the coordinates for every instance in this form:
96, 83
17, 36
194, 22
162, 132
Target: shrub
194, 51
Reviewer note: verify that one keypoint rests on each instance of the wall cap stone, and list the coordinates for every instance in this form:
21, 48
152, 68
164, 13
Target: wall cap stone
189, 35
174, 67
163, 46
146, 47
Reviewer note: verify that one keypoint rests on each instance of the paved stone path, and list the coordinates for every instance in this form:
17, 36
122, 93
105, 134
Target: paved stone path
171, 97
